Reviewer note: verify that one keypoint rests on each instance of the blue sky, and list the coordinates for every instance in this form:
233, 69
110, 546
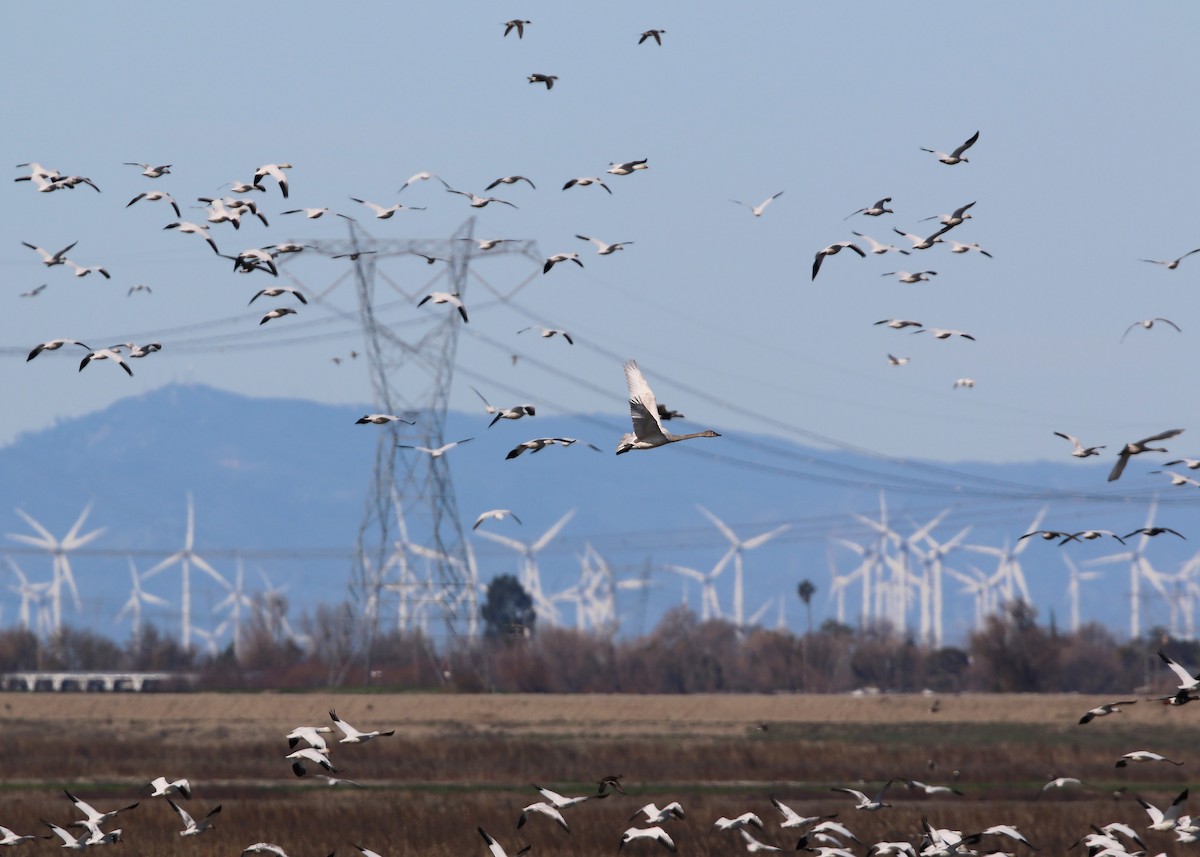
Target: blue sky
1080, 170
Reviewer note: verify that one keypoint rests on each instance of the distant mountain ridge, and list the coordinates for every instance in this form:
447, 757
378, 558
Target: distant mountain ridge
284, 482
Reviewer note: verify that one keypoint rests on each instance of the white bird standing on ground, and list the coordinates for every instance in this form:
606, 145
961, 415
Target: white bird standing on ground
757, 210
955, 157
1080, 451
648, 431
875, 210
191, 826
833, 250
1137, 447
1148, 323
500, 515
162, 787
602, 248
1171, 265
446, 298
275, 171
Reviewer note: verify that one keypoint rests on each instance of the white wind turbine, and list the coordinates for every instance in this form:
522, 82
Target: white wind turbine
1075, 577
901, 564
58, 550
867, 570
185, 558
531, 578
137, 598
1008, 575
235, 601
710, 607
979, 586
1187, 590
1139, 567
34, 596
932, 560
737, 548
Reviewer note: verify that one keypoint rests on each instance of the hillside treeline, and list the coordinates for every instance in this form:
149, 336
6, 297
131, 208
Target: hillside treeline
1013, 652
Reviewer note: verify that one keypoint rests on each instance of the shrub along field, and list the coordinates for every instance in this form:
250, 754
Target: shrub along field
459, 762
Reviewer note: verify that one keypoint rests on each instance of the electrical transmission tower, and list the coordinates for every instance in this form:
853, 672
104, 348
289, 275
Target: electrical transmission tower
410, 504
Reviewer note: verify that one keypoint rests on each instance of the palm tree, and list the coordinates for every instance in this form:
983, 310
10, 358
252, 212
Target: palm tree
806, 590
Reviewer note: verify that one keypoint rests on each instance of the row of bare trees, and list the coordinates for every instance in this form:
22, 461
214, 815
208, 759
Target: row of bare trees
1012, 653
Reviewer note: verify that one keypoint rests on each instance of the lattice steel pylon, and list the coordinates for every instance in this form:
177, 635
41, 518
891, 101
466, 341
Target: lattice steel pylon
411, 374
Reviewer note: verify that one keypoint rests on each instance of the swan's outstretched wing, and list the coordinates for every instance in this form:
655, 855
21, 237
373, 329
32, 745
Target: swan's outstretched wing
642, 406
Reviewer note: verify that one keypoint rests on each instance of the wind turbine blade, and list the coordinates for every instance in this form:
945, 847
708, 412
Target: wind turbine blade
552, 532
150, 598
520, 547
65, 565
173, 559
686, 572
719, 524
78, 525
751, 544
35, 525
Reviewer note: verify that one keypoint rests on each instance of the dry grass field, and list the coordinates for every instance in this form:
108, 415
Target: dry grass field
460, 761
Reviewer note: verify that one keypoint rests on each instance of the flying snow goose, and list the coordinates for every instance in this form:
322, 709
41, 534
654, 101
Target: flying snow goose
1171, 265
162, 787
1189, 463
754, 845
513, 413
893, 360
72, 181
922, 243
446, 298
1080, 451
69, 839
155, 196
556, 800
560, 257
627, 168
495, 847
278, 312
191, 826
654, 815
34, 292
376, 420
1189, 682
1008, 830
478, 201
584, 181
547, 79
276, 291
655, 834
1164, 819
383, 213
422, 176
51, 259
965, 383
931, 789
955, 157
737, 823
543, 808
916, 277
959, 247
187, 226
275, 171
878, 248
1137, 447
515, 24
265, 848
648, 431
106, 354
757, 210
899, 323
8, 838
500, 515
1090, 535
334, 782
149, 171
1143, 756
944, 333
511, 180
866, 802
1153, 531
1147, 324
82, 271
652, 34
489, 243
91, 813
1178, 479
310, 213
791, 818
547, 332
309, 754
833, 250
602, 248
539, 443
432, 453
1046, 535
875, 210
54, 345
951, 220
312, 734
